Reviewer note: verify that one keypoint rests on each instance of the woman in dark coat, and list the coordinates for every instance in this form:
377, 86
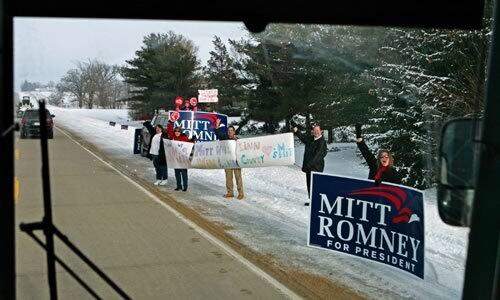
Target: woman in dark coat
381, 167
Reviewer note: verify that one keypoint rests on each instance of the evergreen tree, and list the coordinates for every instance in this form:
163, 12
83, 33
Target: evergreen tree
309, 70
424, 78
286, 79
166, 66
220, 74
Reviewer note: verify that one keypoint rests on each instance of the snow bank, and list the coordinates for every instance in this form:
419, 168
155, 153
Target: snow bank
273, 220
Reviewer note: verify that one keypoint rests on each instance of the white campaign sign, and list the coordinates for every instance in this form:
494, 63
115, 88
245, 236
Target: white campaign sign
215, 155
265, 151
177, 154
208, 96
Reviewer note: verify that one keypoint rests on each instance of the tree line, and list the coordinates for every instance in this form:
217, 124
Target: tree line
27, 86
91, 84
401, 83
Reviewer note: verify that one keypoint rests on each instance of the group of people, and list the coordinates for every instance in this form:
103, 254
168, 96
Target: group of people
156, 148
380, 167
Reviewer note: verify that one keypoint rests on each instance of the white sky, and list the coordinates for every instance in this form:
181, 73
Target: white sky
46, 48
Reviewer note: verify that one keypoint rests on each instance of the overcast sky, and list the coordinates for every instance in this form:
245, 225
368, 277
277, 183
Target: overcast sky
46, 48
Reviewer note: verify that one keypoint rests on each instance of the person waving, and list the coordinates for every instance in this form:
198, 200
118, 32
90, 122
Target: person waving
381, 167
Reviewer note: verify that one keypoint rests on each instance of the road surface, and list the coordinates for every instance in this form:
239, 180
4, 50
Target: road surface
146, 248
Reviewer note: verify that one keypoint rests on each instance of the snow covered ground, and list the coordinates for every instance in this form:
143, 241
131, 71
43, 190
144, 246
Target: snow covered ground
273, 220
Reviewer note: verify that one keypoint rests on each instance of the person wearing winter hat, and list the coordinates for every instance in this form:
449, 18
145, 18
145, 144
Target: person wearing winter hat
381, 167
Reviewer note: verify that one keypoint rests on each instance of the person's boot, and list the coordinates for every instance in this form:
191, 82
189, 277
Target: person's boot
185, 189
240, 196
177, 188
227, 195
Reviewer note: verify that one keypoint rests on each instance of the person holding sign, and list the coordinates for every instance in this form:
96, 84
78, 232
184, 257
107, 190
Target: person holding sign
381, 168
177, 135
187, 105
157, 151
314, 154
230, 135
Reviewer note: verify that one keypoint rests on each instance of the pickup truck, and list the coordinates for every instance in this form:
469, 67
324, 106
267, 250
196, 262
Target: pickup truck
23, 106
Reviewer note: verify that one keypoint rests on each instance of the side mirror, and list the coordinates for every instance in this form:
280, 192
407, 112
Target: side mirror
459, 163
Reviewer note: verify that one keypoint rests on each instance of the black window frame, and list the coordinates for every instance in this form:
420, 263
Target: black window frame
423, 13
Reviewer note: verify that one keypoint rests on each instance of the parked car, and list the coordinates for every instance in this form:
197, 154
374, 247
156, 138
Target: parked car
30, 124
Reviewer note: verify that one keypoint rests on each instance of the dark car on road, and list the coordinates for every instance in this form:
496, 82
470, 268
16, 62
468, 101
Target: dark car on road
30, 124
161, 119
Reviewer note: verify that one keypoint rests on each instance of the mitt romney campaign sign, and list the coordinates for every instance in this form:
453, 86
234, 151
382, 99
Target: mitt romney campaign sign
198, 124
383, 223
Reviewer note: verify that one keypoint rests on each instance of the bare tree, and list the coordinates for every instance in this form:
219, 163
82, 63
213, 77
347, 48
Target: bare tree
74, 83
94, 83
57, 97
118, 92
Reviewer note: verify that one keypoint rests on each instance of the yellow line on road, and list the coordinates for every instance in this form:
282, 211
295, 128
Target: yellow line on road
16, 189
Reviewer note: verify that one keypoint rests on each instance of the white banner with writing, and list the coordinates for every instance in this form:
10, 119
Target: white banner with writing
266, 151
263, 151
177, 154
215, 155
208, 96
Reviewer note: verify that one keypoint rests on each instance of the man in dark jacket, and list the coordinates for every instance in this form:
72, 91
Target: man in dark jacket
314, 154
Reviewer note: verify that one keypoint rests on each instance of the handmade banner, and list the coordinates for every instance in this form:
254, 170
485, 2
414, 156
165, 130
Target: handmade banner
177, 154
208, 96
199, 124
215, 155
383, 223
266, 151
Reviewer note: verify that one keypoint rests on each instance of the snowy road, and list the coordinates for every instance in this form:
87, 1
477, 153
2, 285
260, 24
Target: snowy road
273, 220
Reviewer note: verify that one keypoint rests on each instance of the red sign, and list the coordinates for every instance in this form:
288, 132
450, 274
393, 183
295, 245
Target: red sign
174, 116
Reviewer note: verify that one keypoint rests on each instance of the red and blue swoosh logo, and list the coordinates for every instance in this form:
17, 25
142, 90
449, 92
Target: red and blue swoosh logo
208, 116
396, 196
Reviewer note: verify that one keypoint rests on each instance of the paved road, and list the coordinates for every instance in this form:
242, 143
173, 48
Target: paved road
140, 244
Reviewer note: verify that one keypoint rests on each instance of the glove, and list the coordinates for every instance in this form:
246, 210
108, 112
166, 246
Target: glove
358, 130
146, 123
